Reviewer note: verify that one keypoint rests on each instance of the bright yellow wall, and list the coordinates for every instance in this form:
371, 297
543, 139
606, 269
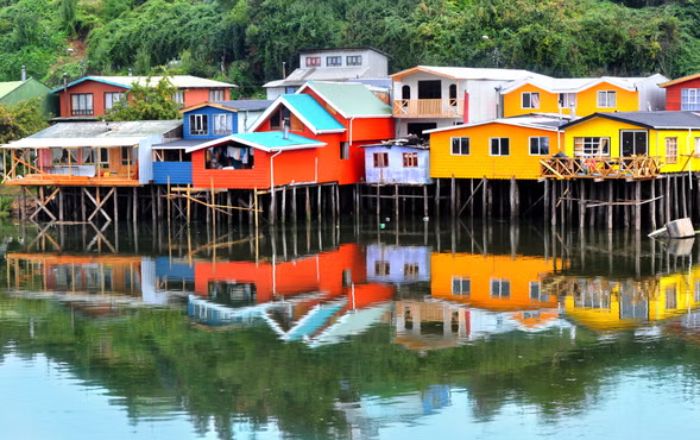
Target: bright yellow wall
512, 101
603, 127
479, 163
481, 270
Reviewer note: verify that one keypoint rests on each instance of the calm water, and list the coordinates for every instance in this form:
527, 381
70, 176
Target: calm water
409, 332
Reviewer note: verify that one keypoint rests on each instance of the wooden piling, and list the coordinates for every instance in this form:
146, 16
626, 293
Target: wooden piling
652, 206
283, 210
307, 205
437, 197
453, 201
294, 205
514, 198
582, 205
638, 206
425, 202
610, 205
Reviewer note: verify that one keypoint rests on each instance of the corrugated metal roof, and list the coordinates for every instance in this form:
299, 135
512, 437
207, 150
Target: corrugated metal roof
179, 81
263, 140
469, 73
107, 129
178, 144
302, 75
306, 108
351, 100
549, 123
659, 120
573, 85
247, 104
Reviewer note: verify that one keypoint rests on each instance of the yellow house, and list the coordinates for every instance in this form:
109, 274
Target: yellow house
583, 96
492, 282
497, 149
671, 138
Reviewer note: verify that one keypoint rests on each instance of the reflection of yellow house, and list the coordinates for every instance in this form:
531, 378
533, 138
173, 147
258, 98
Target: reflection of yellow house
602, 304
494, 282
498, 149
670, 137
584, 95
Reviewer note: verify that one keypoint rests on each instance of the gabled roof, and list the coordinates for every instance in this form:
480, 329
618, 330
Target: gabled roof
575, 85
8, 87
548, 123
467, 73
270, 141
351, 100
301, 75
680, 80
178, 81
309, 112
654, 120
233, 105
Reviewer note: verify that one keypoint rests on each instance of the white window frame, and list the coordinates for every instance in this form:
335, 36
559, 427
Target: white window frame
344, 150
539, 145
537, 285
462, 282
353, 60
380, 164
337, 61
500, 146
461, 145
313, 61
531, 106
588, 140
110, 101
690, 99
675, 146
697, 146
179, 97
216, 95
567, 100
85, 104
604, 99
634, 141
500, 282
412, 157
217, 120
197, 120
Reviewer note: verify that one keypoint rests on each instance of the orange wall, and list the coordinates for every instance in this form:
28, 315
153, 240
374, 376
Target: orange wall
512, 102
479, 163
481, 270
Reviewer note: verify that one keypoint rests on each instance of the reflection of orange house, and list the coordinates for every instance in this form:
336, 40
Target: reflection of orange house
75, 273
494, 282
327, 273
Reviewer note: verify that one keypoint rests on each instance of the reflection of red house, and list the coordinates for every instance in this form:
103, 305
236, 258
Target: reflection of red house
327, 124
327, 273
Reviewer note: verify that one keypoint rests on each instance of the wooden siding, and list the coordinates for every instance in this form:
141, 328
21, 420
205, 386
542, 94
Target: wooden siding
396, 172
512, 102
98, 91
179, 173
210, 112
479, 163
673, 93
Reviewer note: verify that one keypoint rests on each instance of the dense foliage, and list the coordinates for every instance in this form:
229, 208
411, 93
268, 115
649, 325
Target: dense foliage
21, 120
146, 104
246, 41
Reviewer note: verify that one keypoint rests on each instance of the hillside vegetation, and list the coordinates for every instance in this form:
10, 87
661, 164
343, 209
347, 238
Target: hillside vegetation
246, 41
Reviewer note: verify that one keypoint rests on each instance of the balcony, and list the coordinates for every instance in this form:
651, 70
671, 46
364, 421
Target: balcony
600, 168
428, 108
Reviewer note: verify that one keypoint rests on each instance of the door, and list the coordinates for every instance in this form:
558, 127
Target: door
634, 143
431, 89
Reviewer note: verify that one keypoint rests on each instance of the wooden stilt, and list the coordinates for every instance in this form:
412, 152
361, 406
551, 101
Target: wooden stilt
668, 199
684, 197
545, 200
453, 200
514, 198
307, 205
437, 197
652, 206
582, 205
83, 213
378, 204
638, 206
273, 210
610, 205
294, 206
135, 215
115, 202
255, 210
60, 204
283, 210
396, 204
425, 202
676, 210
553, 204
319, 207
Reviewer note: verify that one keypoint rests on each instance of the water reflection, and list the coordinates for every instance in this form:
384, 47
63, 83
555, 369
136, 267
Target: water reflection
340, 333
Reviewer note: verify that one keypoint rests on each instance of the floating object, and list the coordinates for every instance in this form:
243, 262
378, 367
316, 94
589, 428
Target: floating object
426, 219
680, 228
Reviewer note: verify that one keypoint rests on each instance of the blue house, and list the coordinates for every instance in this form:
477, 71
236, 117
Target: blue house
400, 161
205, 122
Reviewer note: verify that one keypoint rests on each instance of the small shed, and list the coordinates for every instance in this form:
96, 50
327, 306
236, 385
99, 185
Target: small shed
399, 161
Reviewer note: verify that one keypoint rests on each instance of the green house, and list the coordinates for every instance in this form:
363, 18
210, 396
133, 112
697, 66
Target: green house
14, 92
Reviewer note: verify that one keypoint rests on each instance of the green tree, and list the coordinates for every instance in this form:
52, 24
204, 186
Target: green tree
68, 15
21, 120
146, 102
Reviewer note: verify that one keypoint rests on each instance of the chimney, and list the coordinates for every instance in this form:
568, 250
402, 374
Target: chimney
285, 129
24, 72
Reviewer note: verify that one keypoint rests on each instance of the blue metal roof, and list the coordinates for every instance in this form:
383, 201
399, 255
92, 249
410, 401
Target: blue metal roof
306, 108
110, 82
275, 140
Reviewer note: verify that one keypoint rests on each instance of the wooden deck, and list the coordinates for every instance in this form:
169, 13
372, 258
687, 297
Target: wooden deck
600, 168
78, 181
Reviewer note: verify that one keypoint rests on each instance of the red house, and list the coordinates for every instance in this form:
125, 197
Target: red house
312, 136
92, 96
683, 93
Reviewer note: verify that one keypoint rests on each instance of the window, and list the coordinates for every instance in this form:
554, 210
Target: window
126, 155
634, 142
672, 150
536, 292
381, 268
539, 146
460, 146
410, 270
334, 61
591, 146
199, 125
697, 292
530, 100
607, 98
671, 297
410, 160
461, 286
697, 146
500, 288
567, 100
111, 99
353, 60
500, 146
216, 95
103, 158
313, 61
381, 160
179, 98
222, 123
452, 93
690, 99
344, 150
81, 104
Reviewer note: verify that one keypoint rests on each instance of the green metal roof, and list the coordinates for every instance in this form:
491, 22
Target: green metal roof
306, 108
352, 100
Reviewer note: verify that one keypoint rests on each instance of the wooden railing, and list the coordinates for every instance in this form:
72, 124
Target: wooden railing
636, 167
436, 108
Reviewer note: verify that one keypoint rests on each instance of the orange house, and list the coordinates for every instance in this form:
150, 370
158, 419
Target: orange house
313, 136
92, 96
493, 282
